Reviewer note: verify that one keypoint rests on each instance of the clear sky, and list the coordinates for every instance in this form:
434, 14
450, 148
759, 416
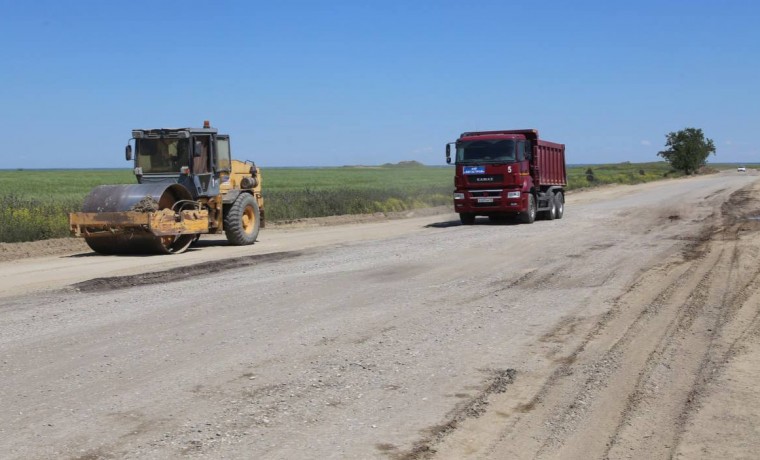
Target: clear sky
319, 83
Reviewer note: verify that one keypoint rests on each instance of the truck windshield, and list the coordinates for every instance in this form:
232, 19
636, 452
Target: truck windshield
162, 155
486, 151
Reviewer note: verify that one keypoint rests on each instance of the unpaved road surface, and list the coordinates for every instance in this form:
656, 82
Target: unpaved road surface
628, 329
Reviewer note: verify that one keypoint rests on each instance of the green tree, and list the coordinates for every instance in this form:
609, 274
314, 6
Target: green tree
687, 150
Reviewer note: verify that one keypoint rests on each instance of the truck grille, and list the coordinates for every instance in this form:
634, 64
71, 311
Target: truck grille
485, 193
485, 178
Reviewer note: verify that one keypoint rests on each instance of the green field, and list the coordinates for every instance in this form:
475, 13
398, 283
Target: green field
34, 204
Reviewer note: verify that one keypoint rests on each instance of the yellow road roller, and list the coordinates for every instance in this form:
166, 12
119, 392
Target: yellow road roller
187, 185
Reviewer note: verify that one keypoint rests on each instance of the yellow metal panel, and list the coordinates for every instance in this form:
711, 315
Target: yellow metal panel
95, 219
187, 222
160, 223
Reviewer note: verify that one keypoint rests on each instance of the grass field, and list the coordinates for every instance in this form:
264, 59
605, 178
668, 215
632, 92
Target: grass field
34, 204
298, 193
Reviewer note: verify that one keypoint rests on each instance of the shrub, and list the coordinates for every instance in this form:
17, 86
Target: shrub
23, 219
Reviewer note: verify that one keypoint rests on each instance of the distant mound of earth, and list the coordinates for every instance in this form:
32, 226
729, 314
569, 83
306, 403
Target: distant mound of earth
403, 164
400, 164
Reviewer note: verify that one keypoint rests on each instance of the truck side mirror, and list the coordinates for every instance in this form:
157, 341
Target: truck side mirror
128, 152
448, 153
197, 149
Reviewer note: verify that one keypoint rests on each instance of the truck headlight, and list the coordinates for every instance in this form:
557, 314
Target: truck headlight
459, 196
513, 194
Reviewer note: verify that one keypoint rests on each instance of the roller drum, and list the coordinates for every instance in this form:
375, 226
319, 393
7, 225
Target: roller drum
135, 197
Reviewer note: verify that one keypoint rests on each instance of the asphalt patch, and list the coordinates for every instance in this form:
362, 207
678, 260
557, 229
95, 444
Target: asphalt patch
181, 273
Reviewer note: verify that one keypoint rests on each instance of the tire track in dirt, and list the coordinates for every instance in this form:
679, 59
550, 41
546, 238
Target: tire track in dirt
630, 337
652, 418
690, 357
472, 408
629, 387
676, 368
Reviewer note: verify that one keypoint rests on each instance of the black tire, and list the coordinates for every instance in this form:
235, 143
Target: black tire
242, 220
551, 214
529, 216
467, 218
559, 201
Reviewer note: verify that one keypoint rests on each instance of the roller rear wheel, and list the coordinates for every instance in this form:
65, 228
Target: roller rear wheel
242, 220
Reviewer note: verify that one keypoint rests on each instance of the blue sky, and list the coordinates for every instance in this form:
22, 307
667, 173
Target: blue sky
319, 83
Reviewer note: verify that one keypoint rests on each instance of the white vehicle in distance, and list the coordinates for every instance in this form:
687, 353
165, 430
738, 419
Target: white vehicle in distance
741, 169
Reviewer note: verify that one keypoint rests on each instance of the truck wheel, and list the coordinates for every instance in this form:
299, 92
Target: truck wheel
529, 216
559, 201
551, 214
467, 218
242, 220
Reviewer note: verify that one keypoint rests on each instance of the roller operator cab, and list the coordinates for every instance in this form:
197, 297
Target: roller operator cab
511, 173
187, 185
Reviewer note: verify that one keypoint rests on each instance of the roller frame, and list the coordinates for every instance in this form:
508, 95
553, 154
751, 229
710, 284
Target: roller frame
159, 223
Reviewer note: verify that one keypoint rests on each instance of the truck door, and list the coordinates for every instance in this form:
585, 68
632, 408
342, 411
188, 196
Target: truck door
205, 177
523, 156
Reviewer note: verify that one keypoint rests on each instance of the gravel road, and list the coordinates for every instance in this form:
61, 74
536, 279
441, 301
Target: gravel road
628, 329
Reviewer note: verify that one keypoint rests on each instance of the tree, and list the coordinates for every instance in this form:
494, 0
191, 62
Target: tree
687, 150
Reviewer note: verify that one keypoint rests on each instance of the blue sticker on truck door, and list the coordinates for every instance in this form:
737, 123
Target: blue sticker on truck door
474, 170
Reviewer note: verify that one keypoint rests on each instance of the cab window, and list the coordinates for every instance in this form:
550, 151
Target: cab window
523, 150
224, 160
201, 162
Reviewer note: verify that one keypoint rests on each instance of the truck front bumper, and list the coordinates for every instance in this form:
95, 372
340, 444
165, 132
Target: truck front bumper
486, 202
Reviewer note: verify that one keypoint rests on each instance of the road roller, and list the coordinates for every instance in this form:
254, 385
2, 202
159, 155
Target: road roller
187, 185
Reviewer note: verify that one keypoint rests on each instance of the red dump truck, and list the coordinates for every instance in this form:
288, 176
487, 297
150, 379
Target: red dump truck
509, 173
